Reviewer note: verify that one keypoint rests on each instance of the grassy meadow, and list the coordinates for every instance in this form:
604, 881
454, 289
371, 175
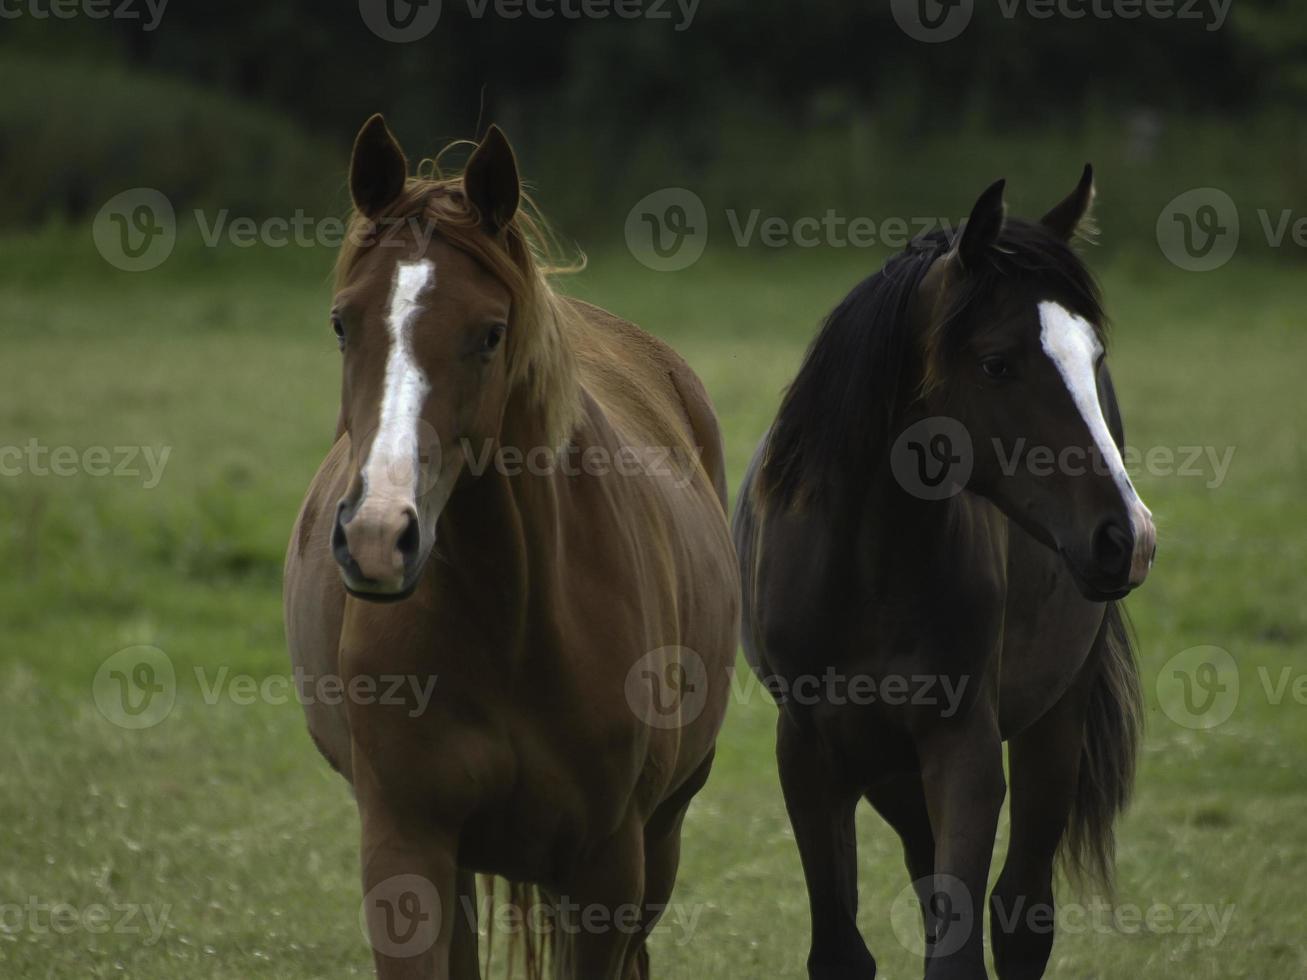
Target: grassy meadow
236, 845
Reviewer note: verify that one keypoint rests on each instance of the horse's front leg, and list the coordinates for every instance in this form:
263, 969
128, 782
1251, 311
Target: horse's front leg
411, 895
601, 911
962, 773
820, 799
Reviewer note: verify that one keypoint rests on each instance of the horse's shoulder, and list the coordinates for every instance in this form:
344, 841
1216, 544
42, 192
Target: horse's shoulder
637, 349
629, 369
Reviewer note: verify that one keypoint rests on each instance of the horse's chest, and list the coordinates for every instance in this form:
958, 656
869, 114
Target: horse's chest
567, 788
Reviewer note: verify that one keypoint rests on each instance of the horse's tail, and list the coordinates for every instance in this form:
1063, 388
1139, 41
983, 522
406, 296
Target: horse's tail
1113, 727
532, 936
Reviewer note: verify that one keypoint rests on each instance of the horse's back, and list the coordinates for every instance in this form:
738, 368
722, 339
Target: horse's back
648, 390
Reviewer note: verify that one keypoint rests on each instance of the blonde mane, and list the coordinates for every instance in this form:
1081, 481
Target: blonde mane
522, 256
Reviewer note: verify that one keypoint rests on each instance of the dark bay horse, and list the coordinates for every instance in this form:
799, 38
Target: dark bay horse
522, 515
940, 521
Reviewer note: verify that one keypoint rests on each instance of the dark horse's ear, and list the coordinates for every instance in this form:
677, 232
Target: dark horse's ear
377, 170
1073, 211
491, 180
983, 227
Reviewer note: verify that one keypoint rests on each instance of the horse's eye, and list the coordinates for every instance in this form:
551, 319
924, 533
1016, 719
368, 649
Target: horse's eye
339, 328
493, 338
996, 367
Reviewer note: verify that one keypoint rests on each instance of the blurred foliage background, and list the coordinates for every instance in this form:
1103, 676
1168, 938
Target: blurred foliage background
754, 103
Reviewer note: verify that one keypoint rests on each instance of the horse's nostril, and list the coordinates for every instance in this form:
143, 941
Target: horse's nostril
339, 542
1113, 547
409, 539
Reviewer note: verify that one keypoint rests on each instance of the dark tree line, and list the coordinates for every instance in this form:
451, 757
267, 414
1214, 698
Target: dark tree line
319, 63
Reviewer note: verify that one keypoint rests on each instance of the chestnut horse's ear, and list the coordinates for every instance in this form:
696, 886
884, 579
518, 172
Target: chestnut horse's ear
1072, 213
377, 170
983, 227
491, 180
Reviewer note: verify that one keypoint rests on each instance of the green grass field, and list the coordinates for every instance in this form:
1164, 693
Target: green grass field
237, 846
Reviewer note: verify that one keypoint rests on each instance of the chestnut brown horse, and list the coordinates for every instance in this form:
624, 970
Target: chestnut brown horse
522, 516
940, 520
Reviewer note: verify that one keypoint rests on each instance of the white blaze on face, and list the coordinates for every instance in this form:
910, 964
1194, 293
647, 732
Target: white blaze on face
1072, 344
392, 465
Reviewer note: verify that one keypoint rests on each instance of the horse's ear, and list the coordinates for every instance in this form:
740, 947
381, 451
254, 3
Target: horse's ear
1072, 214
377, 170
983, 227
492, 182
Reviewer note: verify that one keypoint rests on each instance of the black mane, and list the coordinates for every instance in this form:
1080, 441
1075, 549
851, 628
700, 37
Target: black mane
837, 418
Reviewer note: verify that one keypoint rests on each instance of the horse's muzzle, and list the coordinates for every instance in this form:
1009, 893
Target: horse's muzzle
377, 546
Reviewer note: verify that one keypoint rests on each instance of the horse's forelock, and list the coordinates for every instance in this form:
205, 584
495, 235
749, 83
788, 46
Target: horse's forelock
522, 256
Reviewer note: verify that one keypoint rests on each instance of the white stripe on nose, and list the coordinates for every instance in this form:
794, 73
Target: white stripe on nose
1072, 344
391, 470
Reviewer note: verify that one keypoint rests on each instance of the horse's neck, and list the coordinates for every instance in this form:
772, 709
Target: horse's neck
497, 523
914, 543
891, 525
